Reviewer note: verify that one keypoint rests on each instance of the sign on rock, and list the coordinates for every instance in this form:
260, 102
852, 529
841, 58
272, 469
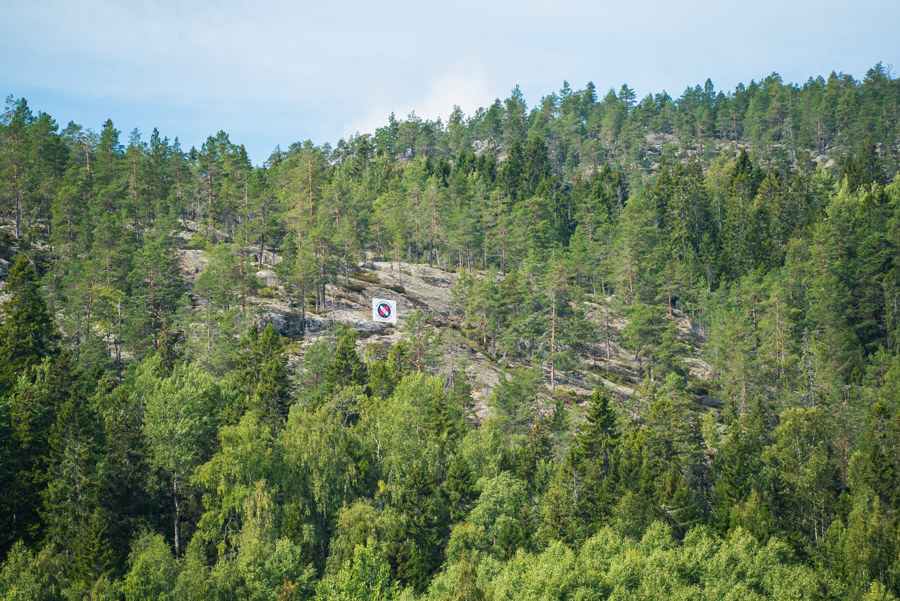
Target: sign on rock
384, 310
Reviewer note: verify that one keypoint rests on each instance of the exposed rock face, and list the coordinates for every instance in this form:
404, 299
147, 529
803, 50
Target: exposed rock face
190, 263
708, 401
268, 276
604, 361
286, 323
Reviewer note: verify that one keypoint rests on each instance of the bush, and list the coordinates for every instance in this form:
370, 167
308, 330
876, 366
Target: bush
267, 292
198, 241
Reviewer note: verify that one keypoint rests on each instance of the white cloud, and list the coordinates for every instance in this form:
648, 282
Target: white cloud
283, 70
465, 85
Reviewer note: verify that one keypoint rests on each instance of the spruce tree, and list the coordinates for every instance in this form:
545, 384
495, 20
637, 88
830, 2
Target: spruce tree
27, 333
270, 395
599, 434
878, 465
460, 488
345, 367
31, 410
592, 461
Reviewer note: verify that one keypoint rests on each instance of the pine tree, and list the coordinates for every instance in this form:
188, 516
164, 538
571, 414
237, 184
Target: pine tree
424, 341
643, 335
156, 288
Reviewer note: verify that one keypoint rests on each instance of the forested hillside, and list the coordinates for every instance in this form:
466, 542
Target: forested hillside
655, 354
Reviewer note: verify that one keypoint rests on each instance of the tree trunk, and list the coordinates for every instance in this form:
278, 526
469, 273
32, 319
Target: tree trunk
177, 518
262, 242
18, 202
303, 309
243, 287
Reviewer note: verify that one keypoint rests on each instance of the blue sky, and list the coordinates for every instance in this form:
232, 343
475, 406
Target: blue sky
273, 72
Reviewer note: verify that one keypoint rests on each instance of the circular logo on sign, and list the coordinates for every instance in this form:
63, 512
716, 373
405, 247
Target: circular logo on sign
384, 310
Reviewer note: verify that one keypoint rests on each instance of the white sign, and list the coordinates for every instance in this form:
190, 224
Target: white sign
384, 310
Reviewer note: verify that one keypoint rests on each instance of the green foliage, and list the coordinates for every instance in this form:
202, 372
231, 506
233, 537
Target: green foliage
499, 517
366, 577
410, 428
140, 409
321, 472
246, 457
180, 428
599, 433
424, 342
805, 472
345, 367
31, 576
152, 569
644, 335
156, 288
356, 525
27, 332
385, 375
460, 486
261, 376
864, 550
514, 398
264, 566
32, 415
415, 551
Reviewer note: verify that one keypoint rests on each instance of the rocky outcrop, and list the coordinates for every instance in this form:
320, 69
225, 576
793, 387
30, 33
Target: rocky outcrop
604, 360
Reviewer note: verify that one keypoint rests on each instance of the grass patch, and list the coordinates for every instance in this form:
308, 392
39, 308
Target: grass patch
353, 287
568, 397
395, 288
620, 379
371, 278
376, 351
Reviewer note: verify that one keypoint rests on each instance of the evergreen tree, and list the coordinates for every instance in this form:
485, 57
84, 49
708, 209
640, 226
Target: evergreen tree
75, 514
425, 527
805, 475
261, 376
599, 433
460, 486
345, 367
30, 413
877, 467
156, 288
27, 332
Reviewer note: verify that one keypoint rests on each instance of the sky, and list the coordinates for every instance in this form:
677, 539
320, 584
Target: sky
275, 72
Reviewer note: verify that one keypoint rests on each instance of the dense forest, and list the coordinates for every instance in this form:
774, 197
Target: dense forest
162, 437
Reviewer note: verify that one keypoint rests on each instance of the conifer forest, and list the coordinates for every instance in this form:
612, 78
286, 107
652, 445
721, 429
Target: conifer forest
648, 348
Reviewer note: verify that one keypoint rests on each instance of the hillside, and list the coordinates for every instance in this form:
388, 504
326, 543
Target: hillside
431, 290
647, 348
